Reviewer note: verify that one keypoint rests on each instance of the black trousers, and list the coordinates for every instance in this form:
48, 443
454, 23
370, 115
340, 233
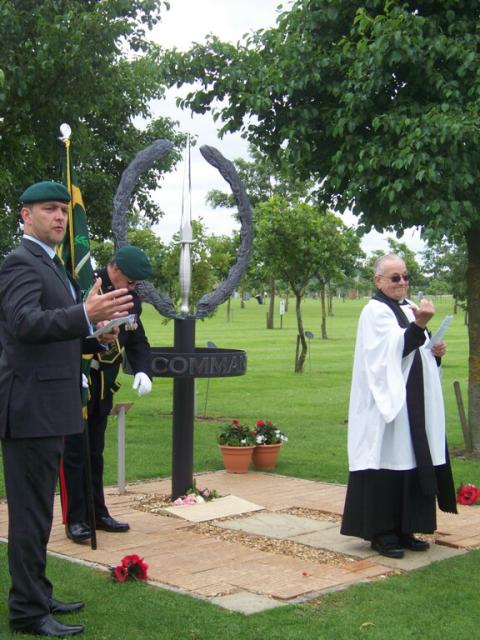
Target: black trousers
31, 471
74, 459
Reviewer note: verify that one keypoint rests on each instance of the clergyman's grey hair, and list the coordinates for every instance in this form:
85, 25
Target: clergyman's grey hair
380, 263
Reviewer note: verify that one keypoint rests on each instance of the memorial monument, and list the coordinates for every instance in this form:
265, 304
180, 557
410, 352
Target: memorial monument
184, 362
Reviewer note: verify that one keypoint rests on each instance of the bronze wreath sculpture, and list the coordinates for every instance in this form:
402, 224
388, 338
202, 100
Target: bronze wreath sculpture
142, 162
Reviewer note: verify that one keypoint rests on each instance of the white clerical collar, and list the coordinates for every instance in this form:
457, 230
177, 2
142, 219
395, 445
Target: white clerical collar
45, 247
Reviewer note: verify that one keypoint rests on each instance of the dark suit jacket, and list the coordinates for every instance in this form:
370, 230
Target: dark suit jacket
41, 331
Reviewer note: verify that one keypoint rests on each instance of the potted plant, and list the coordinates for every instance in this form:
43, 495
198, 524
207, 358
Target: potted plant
236, 442
269, 440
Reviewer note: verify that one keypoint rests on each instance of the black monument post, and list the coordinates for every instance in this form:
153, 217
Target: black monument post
183, 413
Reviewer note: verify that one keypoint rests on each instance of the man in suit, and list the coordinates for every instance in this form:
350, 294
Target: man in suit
129, 265
42, 325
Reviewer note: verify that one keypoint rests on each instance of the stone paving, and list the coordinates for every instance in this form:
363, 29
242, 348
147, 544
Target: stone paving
243, 578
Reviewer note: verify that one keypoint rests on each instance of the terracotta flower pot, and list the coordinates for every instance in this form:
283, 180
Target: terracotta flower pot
265, 455
236, 459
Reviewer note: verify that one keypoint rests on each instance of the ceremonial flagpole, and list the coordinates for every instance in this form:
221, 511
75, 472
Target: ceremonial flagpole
66, 132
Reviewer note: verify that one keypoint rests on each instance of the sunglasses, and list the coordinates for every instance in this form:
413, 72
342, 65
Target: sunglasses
396, 278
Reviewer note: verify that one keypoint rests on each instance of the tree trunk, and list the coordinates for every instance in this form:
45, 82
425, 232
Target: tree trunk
300, 361
330, 302
229, 310
271, 306
242, 297
324, 312
473, 310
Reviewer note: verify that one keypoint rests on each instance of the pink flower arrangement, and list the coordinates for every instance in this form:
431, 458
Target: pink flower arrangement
131, 568
196, 496
188, 499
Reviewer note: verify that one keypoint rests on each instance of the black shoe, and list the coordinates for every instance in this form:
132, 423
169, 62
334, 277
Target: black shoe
107, 523
64, 607
78, 531
50, 627
409, 541
387, 548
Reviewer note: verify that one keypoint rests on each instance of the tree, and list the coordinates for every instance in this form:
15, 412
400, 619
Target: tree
340, 254
87, 63
446, 262
378, 100
102, 252
299, 242
223, 253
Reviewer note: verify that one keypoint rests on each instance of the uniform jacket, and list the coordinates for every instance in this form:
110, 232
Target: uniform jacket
135, 344
41, 332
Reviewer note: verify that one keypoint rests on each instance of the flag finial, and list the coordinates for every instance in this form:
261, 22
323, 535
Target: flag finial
65, 131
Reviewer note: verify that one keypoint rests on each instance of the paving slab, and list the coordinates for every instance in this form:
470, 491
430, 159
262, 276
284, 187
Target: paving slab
417, 559
281, 526
219, 508
330, 538
246, 602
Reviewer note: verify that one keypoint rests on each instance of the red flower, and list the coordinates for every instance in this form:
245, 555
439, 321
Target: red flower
260, 423
140, 570
120, 574
468, 494
235, 422
128, 560
131, 567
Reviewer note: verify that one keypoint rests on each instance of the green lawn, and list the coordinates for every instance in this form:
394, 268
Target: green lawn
440, 601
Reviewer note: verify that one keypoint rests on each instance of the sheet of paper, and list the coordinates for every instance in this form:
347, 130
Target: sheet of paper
438, 335
116, 322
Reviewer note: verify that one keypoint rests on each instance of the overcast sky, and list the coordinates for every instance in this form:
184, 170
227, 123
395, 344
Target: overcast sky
190, 21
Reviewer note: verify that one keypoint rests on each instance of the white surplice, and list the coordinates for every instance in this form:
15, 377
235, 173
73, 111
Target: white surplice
378, 427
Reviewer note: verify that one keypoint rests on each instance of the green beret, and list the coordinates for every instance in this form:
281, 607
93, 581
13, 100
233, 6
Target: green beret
45, 191
133, 262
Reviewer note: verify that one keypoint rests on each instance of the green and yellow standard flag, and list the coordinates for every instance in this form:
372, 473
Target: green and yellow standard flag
75, 253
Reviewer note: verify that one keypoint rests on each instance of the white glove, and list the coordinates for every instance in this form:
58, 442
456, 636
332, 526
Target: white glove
142, 383
84, 381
